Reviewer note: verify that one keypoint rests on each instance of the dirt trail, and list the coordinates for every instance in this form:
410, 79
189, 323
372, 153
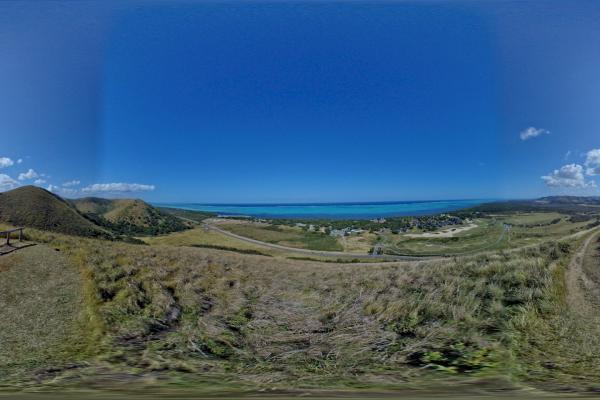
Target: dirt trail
577, 280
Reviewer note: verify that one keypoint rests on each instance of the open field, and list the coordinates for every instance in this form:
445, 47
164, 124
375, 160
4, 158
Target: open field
532, 218
283, 235
490, 234
203, 237
485, 236
494, 232
216, 319
515, 308
443, 233
362, 243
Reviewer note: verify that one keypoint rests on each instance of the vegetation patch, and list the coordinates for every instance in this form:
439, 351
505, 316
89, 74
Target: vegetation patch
129, 216
286, 236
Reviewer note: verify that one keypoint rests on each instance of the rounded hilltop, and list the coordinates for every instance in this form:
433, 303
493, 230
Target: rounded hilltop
34, 207
128, 216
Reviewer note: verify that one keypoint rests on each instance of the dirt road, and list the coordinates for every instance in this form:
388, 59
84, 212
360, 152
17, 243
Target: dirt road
577, 280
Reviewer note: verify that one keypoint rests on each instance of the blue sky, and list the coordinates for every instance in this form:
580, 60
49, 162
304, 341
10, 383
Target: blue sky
300, 102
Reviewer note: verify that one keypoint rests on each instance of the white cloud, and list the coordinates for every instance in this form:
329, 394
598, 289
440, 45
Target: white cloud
592, 162
6, 162
31, 174
7, 183
532, 132
567, 155
19, 161
39, 181
117, 188
568, 176
69, 192
71, 183
65, 192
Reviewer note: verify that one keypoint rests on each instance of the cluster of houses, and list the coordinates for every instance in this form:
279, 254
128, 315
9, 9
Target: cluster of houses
433, 223
379, 225
427, 223
345, 232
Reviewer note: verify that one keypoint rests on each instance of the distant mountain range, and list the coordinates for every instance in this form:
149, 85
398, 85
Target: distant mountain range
569, 200
564, 204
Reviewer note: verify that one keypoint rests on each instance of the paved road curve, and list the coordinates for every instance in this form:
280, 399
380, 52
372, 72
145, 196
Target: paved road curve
383, 257
317, 253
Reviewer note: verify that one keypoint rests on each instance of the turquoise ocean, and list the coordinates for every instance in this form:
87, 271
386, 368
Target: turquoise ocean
332, 210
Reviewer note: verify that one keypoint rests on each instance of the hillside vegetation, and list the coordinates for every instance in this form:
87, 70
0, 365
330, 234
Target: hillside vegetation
34, 207
188, 215
129, 216
564, 204
210, 317
85, 312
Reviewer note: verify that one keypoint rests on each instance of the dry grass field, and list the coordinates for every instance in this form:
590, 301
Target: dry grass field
216, 319
42, 309
284, 235
202, 237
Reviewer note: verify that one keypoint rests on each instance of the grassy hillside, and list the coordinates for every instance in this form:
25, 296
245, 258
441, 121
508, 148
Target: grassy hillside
207, 317
32, 206
42, 311
129, 216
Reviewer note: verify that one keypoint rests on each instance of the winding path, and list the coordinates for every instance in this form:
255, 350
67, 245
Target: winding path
317, 253
388, 257
576, 280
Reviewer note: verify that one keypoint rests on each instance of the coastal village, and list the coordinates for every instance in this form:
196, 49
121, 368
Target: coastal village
382, 225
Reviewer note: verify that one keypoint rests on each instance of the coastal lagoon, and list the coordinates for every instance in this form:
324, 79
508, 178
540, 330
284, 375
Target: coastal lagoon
332, 210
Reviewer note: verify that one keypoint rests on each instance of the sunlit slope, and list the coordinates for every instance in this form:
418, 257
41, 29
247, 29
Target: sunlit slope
42, 309
34, 207
129, 216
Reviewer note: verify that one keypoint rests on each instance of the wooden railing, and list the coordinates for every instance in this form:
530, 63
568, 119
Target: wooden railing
8, 232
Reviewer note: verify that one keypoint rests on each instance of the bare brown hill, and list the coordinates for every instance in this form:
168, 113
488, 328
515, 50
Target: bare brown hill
35, 207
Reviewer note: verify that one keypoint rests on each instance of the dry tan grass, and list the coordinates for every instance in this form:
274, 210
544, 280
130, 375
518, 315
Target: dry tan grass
200, 236
42, 310
198, 314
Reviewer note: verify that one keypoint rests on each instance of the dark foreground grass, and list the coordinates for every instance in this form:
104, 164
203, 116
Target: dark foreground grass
42, 312
214, 320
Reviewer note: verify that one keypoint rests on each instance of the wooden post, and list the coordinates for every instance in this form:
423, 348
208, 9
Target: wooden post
8, 233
